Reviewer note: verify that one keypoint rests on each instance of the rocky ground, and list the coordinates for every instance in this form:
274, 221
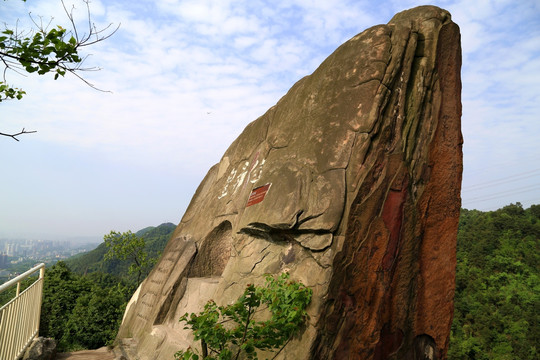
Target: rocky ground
99, 354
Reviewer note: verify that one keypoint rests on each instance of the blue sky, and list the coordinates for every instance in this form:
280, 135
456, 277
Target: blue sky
187, 76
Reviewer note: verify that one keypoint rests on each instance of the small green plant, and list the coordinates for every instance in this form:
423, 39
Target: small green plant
226, 332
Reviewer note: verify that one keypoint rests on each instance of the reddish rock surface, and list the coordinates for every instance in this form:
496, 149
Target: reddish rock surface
351, 183
399, 260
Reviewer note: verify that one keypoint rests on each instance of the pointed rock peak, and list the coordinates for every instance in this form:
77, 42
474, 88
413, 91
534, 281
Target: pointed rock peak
351, 183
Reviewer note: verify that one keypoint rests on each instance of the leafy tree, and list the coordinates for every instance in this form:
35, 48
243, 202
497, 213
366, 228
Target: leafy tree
155, 238
497, 285
95, 319
226, 332
61, 289
128, 246
45, 50
82, 312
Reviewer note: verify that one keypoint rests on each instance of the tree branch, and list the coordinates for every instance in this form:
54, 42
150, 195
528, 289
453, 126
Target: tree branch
47, 60
14, 136
45, 50
246, 328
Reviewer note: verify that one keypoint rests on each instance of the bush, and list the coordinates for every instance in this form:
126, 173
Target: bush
227, 331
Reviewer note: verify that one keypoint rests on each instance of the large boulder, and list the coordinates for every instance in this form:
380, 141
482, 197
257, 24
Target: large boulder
351, 183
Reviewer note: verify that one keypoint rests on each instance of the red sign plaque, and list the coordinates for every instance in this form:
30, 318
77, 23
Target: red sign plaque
257, 195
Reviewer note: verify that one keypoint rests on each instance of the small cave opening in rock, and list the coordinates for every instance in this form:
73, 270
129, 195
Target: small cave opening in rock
214, 252
425, 348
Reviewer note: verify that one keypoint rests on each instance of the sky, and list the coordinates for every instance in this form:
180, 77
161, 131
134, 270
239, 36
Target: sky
182, 80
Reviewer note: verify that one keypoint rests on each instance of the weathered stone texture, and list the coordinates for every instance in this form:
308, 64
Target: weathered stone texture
40, 349
363, 161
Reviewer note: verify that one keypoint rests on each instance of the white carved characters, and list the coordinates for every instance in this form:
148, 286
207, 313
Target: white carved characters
240, 176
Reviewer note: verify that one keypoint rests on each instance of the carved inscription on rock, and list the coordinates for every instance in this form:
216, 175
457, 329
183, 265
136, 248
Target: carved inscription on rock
247, 173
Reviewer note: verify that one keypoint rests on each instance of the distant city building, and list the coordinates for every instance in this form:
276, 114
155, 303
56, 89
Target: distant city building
14, 251
3, 260
11, 249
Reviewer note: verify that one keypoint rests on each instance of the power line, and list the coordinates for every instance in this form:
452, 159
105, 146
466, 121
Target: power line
532, 202
503, 193
504, 180
531, 159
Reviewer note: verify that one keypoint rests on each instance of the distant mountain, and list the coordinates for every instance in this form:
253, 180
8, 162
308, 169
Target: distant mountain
147, 229
156, 238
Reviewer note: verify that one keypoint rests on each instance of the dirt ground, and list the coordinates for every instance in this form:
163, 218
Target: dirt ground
99, 354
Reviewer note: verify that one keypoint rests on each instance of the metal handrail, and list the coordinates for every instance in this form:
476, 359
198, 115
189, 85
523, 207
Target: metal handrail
19, 318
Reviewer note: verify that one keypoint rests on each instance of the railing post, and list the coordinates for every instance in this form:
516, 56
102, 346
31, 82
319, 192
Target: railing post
40, 301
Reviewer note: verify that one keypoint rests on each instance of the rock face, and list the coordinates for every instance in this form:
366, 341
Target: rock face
40, 349
351, 183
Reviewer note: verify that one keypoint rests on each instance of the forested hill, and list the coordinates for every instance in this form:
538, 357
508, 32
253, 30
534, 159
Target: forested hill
497, 301
155, 238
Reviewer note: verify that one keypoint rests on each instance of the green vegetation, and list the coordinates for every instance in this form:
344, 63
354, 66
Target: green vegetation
130, 247
82, 312
497, 297
228, 331
9, 294
42, 50
154, 238
83, 309
496, 304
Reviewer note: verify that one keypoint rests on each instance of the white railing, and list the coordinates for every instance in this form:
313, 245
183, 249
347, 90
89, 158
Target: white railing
19, 318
